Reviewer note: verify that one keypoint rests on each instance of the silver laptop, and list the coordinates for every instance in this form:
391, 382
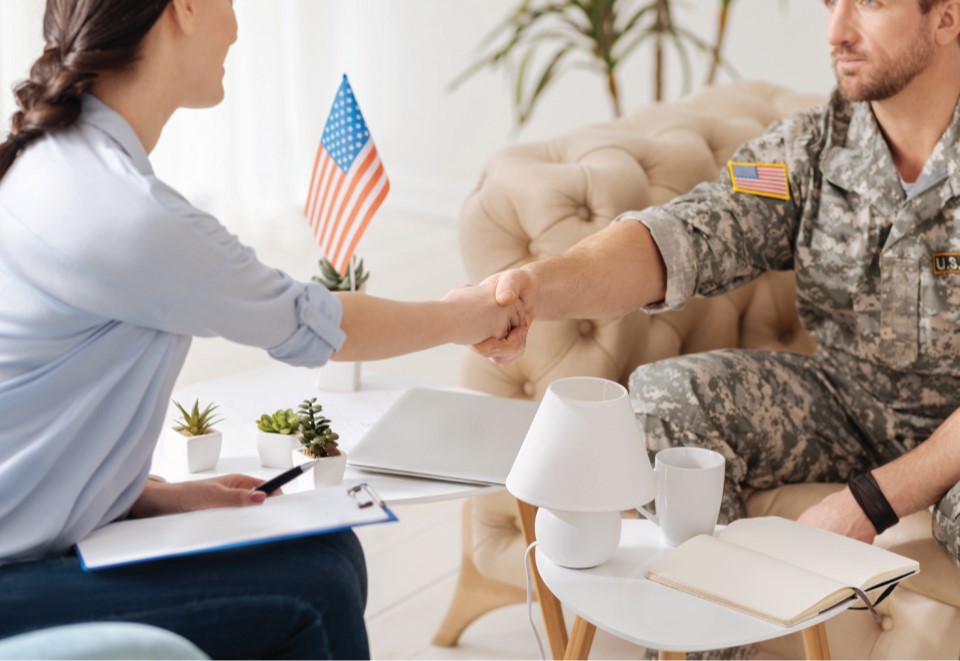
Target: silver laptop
444, 435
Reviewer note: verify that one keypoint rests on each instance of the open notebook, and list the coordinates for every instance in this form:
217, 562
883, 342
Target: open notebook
779, 570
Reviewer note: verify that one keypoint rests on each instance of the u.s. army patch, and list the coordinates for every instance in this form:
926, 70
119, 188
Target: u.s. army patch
764, 179
945, 263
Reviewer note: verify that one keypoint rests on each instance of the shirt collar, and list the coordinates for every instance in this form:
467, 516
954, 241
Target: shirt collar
98, 114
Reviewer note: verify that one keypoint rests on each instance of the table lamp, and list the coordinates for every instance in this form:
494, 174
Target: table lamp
582, 462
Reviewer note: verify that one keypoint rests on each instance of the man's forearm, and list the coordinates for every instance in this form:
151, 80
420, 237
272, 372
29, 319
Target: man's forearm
922, 476
608, 274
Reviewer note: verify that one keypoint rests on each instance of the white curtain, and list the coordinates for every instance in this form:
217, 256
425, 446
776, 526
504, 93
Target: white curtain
248, 160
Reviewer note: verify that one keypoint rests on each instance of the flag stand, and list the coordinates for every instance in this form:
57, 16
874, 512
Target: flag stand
337, 376
346, 160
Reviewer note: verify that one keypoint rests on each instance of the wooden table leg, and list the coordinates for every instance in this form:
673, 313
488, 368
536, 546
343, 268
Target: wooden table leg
549, 604
665, 655
815, 642
581, 638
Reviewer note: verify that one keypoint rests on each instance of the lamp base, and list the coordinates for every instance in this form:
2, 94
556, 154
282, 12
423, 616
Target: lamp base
577, 540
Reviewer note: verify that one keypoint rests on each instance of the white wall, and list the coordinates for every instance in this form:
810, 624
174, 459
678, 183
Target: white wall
249, 160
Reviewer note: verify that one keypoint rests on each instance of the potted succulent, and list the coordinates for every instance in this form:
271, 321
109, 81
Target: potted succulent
277, 437
193, 442
330, 277
319, 441
337, 376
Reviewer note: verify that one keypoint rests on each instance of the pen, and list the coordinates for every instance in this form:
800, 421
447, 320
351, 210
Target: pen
275, 483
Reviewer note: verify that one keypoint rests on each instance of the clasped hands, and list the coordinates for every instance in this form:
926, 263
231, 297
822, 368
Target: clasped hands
499, 312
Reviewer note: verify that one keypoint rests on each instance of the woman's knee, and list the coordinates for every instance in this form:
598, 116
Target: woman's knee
337, 562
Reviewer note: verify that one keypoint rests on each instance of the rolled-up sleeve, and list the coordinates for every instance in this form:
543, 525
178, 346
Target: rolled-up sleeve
318, 315
714, 239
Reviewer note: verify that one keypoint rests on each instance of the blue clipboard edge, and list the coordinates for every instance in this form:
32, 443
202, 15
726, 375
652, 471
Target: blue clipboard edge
376, 500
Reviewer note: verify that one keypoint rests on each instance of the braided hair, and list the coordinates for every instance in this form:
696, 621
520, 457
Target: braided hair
84, 38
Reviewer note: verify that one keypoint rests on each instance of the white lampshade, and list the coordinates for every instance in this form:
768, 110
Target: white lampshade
584, 451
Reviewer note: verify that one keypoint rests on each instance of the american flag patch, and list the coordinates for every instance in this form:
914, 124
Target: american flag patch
766, 179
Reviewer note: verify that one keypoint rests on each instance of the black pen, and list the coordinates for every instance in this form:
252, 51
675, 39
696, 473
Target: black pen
275, 483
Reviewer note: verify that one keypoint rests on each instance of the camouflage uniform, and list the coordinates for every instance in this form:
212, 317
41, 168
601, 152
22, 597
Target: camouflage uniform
878, 278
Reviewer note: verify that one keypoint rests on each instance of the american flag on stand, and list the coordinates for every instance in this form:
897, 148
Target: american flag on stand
766, 179
348, 183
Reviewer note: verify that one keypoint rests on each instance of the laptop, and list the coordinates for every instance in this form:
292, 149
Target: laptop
446, 435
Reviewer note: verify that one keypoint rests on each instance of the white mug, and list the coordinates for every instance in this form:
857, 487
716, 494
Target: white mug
689, 491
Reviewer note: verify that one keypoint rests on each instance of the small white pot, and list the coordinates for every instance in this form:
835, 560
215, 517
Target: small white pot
274, 449
339, 377
194, 453
327, 472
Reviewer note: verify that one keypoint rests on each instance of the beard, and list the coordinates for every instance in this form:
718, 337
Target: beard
886, 78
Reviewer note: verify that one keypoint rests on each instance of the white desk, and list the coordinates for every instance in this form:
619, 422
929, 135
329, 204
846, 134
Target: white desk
617, 598
243, 397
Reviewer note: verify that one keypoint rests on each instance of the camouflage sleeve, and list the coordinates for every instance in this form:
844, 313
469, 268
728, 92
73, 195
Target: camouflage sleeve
714, 239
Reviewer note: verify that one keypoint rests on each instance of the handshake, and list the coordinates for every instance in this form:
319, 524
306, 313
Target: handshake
496, 314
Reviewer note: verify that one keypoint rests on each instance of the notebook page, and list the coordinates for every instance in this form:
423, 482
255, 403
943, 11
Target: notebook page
746, 580
843, 559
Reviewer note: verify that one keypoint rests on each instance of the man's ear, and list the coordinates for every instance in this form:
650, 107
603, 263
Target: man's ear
184, 15
948, 26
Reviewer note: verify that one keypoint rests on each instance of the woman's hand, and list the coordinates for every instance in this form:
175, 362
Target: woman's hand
480, 316
514, 287
171, 497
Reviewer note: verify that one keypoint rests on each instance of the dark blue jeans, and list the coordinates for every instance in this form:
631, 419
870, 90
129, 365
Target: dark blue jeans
298, 599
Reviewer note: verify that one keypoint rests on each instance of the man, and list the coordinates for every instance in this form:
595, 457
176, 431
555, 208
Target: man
863, 201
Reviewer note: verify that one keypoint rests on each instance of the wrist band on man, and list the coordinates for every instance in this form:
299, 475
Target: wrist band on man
18, 141
874, 504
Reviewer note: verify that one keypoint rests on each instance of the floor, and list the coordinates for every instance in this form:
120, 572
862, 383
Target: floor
413, 564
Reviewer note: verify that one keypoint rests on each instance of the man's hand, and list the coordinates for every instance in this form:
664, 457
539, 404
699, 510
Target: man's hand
172, 497
840, 513
514, 287
477, 315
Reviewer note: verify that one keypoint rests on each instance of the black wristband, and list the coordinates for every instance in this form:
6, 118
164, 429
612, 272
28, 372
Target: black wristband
874, 504
18, 141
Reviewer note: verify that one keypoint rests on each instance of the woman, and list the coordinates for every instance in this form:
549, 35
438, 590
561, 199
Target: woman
106, 273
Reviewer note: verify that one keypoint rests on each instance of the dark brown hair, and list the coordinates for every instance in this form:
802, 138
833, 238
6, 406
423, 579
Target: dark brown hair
83, 39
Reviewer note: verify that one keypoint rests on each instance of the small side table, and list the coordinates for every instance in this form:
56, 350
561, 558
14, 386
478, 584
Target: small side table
618, 598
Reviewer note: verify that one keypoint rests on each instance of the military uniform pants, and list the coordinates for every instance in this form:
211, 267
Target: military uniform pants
778, 418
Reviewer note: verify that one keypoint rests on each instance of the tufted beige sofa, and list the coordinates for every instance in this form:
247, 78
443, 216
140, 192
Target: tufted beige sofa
535, 200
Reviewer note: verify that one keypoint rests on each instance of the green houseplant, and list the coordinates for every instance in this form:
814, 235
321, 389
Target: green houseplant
319, 441
340, 376
330, 277
194, 443
277, 436
542, 39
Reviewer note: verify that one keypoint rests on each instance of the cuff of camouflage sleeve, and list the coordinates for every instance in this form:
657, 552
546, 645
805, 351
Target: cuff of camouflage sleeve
677, 253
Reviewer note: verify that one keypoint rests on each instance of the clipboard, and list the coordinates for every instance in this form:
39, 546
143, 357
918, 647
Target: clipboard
289, 516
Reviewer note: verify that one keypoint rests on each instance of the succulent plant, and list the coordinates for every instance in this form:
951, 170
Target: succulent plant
317, 438
283, 421
331, 279
196, 422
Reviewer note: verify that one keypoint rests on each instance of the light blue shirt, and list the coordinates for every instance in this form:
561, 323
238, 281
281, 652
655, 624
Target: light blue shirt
105, 274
